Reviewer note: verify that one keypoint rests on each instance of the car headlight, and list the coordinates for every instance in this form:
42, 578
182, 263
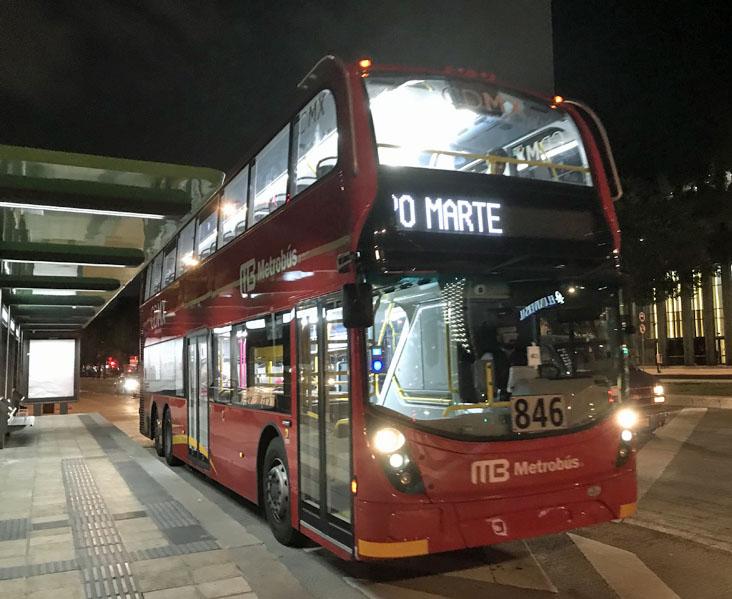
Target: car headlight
658, 390
627, 418
131, 385
388, 440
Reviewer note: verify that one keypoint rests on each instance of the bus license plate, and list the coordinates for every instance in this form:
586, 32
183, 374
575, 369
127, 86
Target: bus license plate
537, 413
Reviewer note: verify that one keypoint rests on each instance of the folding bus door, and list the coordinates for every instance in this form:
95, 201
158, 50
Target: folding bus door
197, 358
324, 409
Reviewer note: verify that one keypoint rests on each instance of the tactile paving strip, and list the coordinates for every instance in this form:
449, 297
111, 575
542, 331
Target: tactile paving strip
182, 529
10, 530
101, 555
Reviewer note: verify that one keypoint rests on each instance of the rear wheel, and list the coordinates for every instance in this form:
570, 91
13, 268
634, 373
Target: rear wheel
276, 494
157, 433
168, 440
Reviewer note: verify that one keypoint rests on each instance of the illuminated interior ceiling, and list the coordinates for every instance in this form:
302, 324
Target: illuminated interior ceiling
77, 228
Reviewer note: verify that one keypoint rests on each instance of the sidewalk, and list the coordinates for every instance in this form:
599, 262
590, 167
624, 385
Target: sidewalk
85, 512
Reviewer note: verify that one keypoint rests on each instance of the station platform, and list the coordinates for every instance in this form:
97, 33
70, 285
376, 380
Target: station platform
86, 512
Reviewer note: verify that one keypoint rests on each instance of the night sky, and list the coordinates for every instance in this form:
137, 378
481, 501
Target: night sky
201, 83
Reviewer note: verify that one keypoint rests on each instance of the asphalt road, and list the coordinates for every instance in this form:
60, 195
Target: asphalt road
679, 544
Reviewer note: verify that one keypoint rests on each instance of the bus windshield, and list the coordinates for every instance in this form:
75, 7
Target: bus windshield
455, 352
473, 126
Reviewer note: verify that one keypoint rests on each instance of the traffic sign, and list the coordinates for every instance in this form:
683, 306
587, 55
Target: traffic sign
642, 328
641, 316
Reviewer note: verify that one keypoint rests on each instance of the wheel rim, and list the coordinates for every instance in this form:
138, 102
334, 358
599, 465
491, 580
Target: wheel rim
278, 490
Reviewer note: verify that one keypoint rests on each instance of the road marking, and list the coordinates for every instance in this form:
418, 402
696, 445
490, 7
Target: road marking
654, 458
628, 576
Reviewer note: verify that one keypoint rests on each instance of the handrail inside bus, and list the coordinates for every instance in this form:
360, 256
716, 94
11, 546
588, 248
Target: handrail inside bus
490, 158
606, 142
311, 76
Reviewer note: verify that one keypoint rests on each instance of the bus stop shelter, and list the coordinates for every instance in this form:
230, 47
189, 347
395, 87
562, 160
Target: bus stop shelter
74, 230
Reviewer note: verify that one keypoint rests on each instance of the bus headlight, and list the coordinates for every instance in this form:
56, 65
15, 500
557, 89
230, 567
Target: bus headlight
627, 418
388, 440
658, 390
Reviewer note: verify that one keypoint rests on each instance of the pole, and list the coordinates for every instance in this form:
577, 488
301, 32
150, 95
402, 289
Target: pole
7, 351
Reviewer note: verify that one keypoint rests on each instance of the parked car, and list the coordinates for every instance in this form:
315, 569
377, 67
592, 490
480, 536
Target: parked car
646, 395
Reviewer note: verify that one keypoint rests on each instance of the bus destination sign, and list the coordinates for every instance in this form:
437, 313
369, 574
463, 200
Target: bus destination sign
447, 215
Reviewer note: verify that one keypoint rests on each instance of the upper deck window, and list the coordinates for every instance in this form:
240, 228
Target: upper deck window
316, 141
207, 231
187, 257
169, 265
270, 177
473, 126
154, 274
233, 208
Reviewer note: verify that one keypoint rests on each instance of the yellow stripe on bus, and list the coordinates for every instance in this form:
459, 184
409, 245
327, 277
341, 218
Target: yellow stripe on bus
397, 549
628, 509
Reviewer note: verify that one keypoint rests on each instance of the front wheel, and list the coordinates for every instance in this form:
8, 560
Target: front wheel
276, 494
170, 459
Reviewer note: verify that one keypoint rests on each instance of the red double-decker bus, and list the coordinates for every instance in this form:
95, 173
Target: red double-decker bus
397, 326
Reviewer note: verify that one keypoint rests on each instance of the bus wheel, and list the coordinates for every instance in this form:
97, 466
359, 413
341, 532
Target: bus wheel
157, 434
168, 440
276, 493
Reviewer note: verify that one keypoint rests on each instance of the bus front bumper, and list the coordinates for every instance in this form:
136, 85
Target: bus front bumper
403, 530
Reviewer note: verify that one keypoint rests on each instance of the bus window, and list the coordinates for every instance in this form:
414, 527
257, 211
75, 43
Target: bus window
186, 250
163, 365
316, 141
233, 208
156, 274
262, 360
475, 127
207, 230
221, 391
169, 265
270, 177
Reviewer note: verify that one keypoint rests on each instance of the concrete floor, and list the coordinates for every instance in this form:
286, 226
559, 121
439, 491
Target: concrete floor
678, 545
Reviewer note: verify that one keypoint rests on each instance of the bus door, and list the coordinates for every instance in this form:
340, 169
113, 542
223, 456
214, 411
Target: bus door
197, 350
324, 417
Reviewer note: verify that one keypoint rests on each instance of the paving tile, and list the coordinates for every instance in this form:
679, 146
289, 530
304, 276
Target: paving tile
12, 589
54, 553
186, 592
53, 581
55, 535
13, 548
135, 525
215, 572
44, 519
12, 562
76, 592
223, 588
161, 573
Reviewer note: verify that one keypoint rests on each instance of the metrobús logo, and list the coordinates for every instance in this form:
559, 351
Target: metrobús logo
498, 471
252, 270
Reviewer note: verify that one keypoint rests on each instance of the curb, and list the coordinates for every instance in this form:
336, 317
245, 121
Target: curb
697, 401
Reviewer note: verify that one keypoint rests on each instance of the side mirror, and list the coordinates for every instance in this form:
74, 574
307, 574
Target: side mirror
358, 309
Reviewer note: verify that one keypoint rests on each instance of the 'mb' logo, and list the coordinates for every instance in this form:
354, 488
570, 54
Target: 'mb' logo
495, 471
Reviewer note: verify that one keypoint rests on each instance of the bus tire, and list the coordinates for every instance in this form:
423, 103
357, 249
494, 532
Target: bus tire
170, 459
276, 494
157, 433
